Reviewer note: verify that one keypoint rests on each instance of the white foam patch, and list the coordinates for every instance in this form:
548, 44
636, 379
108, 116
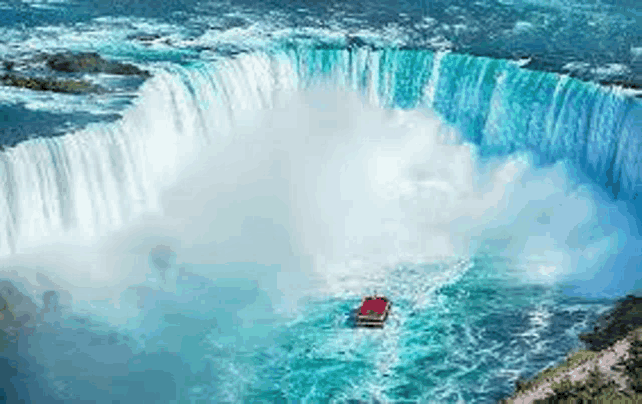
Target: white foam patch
523, 27
262, 32
611, 70
98, 34
580, 67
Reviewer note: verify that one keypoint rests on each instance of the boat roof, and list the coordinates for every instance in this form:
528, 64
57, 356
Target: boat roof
369, 297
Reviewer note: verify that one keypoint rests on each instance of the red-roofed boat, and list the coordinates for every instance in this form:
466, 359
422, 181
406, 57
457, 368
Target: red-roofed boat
373, 312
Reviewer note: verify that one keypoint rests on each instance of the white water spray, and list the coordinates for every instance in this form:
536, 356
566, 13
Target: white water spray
317, 190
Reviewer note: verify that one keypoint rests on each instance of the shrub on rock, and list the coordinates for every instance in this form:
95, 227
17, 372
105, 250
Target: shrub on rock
612, 327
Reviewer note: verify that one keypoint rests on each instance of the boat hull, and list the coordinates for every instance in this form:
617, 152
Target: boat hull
367, 317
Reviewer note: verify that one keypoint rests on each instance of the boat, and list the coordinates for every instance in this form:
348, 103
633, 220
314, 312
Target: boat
373, 312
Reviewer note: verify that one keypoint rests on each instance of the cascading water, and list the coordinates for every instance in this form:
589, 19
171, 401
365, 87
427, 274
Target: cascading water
219, 231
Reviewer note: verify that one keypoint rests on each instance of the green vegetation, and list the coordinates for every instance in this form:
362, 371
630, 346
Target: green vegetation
575, 359
596, 387
625, 320
617, 324
633, 365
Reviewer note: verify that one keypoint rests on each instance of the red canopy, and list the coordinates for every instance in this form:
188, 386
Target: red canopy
376, 305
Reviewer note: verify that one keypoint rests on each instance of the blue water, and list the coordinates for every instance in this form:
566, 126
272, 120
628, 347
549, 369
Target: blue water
203, 235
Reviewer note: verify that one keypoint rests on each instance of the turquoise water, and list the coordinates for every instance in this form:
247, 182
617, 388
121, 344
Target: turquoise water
466, 342
204, 236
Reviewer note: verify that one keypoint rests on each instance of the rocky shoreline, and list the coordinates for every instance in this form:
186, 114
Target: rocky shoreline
610, 368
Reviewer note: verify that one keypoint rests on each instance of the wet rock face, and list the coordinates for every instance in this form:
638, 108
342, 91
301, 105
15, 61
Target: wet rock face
90, 62
49, 84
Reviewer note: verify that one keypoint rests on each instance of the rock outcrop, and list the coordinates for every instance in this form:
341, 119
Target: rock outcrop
66, 62
50, 84
575, 375
90, 62
609, 354
616, 324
